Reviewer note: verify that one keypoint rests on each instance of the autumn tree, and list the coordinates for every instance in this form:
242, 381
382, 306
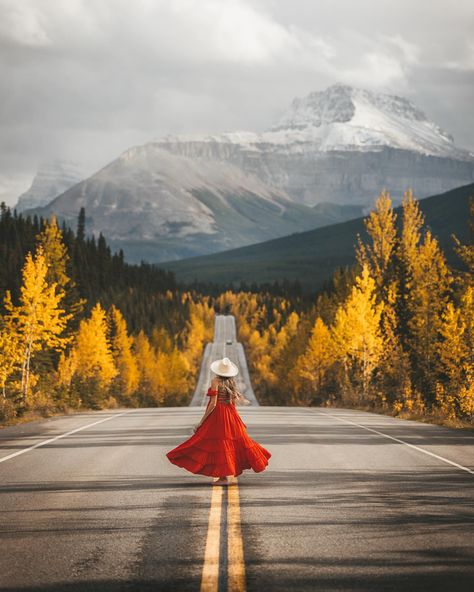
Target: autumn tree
312, 366
38, 321
57, 258
379, 251
90, 362
149, 381
357, 333
126, 381
380, 254
10, 353
456, 353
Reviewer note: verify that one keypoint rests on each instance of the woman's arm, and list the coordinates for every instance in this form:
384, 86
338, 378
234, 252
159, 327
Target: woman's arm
211, 403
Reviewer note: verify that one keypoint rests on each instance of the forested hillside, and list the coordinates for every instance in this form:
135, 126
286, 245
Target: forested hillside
79, 328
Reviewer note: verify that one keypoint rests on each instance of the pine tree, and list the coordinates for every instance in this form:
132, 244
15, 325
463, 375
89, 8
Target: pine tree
81, 226
38, 320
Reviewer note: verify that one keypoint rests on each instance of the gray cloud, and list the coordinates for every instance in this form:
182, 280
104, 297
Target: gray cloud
85, 79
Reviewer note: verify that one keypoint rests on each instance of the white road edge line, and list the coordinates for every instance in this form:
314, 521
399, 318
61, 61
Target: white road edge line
62, 436
450, 462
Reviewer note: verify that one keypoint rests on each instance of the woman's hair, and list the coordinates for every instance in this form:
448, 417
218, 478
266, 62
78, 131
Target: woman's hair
229, 385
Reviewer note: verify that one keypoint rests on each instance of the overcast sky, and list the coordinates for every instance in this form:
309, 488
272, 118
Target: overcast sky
85, 79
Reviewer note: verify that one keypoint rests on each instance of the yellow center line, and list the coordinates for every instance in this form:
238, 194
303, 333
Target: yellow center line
210, 571
235, 545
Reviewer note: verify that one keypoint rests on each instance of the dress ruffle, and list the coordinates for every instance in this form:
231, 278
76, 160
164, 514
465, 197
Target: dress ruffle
221, 446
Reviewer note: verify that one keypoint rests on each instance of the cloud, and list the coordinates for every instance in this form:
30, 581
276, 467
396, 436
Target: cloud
86, 78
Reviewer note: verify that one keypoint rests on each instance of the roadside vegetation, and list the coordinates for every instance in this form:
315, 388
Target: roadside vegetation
395, 333
81, 329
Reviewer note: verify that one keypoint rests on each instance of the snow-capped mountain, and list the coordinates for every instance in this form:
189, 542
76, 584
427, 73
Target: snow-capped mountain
193, 194
342, 145
346, 118
157, 206
52, 179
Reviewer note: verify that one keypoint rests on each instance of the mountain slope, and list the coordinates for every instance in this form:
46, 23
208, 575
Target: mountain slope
312, 257
157, 205
51, 180
190, 195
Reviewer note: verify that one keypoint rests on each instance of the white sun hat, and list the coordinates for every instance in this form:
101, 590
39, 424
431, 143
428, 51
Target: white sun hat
224, 367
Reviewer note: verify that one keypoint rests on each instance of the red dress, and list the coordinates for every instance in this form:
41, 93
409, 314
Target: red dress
221, 445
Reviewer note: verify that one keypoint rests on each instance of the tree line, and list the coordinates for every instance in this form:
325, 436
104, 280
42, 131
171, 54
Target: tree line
395, 332
80, 328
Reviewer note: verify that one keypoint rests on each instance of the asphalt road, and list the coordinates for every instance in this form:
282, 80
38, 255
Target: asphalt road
340, 507
224, 344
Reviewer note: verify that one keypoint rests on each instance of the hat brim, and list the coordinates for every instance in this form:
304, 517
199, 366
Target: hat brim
232, 372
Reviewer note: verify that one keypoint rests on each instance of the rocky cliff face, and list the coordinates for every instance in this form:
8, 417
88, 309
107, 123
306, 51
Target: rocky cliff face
158, 206
342, 145
51, 180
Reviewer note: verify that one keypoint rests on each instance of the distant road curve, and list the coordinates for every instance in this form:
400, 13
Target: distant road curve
225, 344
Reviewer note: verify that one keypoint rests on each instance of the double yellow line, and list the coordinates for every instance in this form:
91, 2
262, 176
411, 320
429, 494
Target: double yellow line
224, 553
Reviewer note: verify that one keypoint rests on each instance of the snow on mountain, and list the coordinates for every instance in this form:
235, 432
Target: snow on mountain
346, 118
52, 179
342, 118
186, 195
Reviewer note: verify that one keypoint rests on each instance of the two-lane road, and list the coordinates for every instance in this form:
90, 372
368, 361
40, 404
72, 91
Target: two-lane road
350, 501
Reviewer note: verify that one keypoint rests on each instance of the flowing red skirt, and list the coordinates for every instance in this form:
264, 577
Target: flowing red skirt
221, 446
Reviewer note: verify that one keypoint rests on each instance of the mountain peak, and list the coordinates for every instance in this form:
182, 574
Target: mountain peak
346, 117
338, 104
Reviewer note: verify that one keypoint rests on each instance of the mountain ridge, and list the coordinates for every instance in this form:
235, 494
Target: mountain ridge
196, 194
312, 256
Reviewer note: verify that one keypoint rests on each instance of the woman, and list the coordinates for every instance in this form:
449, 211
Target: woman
220, 445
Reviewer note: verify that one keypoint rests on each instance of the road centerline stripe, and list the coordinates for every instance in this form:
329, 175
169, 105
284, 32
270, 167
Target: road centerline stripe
89, 425
210, 570
224, 564
235, 546
446, 460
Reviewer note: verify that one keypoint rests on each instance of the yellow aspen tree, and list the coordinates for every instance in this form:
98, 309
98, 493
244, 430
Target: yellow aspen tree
56, 255
126, 380
95, 362
456, 352
382, 231
10, 353
318, 357
148, 369
175, 376
429, 281
38, 320
413, 221
380, 255
466, 252
357, 333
